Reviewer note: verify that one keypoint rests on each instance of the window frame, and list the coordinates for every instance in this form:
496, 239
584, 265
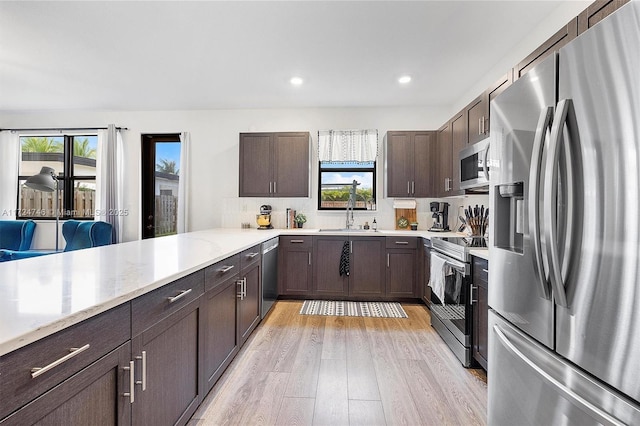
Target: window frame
66, 178
372, 170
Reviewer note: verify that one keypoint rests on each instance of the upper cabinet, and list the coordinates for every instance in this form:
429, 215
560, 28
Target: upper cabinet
274, 164
443, 179
553, 44
411, 159
596, 12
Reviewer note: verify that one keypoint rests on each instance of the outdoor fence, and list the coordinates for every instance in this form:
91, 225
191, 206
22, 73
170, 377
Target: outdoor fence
35, 203
166, 214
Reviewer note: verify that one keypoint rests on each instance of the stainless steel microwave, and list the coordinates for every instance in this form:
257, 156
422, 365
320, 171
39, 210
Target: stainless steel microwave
474, 168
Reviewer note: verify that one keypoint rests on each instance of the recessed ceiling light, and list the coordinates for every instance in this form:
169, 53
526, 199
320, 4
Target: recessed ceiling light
296, 81
404, 79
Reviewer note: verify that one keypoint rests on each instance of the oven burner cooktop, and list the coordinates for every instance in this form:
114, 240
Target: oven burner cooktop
458, 247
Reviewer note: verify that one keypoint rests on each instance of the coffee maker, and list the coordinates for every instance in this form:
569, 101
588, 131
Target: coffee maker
264, 218
440, 213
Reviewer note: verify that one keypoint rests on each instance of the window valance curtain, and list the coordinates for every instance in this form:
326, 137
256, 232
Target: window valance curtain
348, 145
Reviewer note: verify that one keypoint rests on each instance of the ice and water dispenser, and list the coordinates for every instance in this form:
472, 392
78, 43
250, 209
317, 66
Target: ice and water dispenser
509, 216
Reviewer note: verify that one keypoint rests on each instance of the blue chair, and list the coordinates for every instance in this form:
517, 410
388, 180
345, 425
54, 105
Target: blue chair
77, 235
16, 234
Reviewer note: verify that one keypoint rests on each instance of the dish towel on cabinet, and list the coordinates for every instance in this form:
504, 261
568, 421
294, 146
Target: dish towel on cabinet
344, 259
437, 281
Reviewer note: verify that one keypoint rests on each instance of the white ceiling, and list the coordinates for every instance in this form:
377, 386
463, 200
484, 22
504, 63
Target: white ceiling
170, 55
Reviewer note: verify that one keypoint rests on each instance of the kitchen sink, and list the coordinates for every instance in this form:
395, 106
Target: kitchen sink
345, 230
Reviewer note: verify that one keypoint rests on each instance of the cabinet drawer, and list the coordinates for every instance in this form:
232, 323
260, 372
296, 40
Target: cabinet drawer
94, 337
250, 256
302, 241
150, 308
221, 272
402, 242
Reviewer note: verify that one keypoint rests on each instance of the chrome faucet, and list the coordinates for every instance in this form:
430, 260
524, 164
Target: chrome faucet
351, 204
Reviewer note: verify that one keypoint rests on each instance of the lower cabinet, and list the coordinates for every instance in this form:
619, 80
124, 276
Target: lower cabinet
250, 293
93, 396
367, 276
166, 354
401, 265
479, 300
426, 271
295, 262
327, 280
219, 331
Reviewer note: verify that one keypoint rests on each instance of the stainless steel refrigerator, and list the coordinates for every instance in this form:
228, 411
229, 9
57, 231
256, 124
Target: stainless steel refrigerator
564, 283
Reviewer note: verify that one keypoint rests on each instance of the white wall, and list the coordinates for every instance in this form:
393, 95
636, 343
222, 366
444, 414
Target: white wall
214, 170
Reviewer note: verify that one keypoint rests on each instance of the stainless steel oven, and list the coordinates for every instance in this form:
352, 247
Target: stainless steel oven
451, 308
474, 167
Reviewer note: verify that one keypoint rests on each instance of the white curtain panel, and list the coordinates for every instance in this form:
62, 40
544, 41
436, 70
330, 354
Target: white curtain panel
10, 155
110, 180
348, 145
183, 184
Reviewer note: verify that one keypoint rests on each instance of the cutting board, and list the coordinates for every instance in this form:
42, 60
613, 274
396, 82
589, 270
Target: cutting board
409, 214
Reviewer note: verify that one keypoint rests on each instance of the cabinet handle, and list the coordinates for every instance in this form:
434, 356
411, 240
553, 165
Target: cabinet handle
252, 255
403, 243
240, 294
37, 371
226, 269
297, 241
243, 288
350, 246
445, 185
485, 270
388, 260
408, 188
132, 381
143, 382
479, 126
471, 296
270, 186
275, 191
413, 187
309, 258
182, 294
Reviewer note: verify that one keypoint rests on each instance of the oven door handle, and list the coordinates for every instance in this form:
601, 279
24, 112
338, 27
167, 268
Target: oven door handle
458, 266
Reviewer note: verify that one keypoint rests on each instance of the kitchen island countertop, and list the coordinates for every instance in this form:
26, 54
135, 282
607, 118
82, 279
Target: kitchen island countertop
42, 295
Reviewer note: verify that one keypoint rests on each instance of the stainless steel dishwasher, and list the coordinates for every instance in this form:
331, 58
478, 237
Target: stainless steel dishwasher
269, 274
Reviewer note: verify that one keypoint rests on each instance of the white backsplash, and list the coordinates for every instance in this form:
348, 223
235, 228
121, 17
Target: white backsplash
239, 210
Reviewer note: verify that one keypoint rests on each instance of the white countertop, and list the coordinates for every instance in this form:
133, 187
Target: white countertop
42, 295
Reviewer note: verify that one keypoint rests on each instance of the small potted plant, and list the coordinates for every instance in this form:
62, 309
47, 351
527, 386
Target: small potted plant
300, 219
414, 226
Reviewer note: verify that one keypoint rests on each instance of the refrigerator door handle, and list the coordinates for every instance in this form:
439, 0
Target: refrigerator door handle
567, 393
544, 122
551, 197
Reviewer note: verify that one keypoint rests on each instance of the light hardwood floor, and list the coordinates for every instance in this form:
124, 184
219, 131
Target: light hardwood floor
303, 370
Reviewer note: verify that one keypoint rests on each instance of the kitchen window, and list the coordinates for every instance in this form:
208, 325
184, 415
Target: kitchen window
73, 157
336, 180
347, 156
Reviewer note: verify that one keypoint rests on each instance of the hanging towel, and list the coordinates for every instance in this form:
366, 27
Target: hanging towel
344, 259
439, 272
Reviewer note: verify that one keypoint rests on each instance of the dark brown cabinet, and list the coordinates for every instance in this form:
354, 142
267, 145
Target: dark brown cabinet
295, 265
479, 301
426, 271
94, 396
596, 12
327, 281
411, 156
444, 171
219, 336
401, 265
367, 276
477, 119
165, 326
459, 141
250, 293
553, 44
274, 164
